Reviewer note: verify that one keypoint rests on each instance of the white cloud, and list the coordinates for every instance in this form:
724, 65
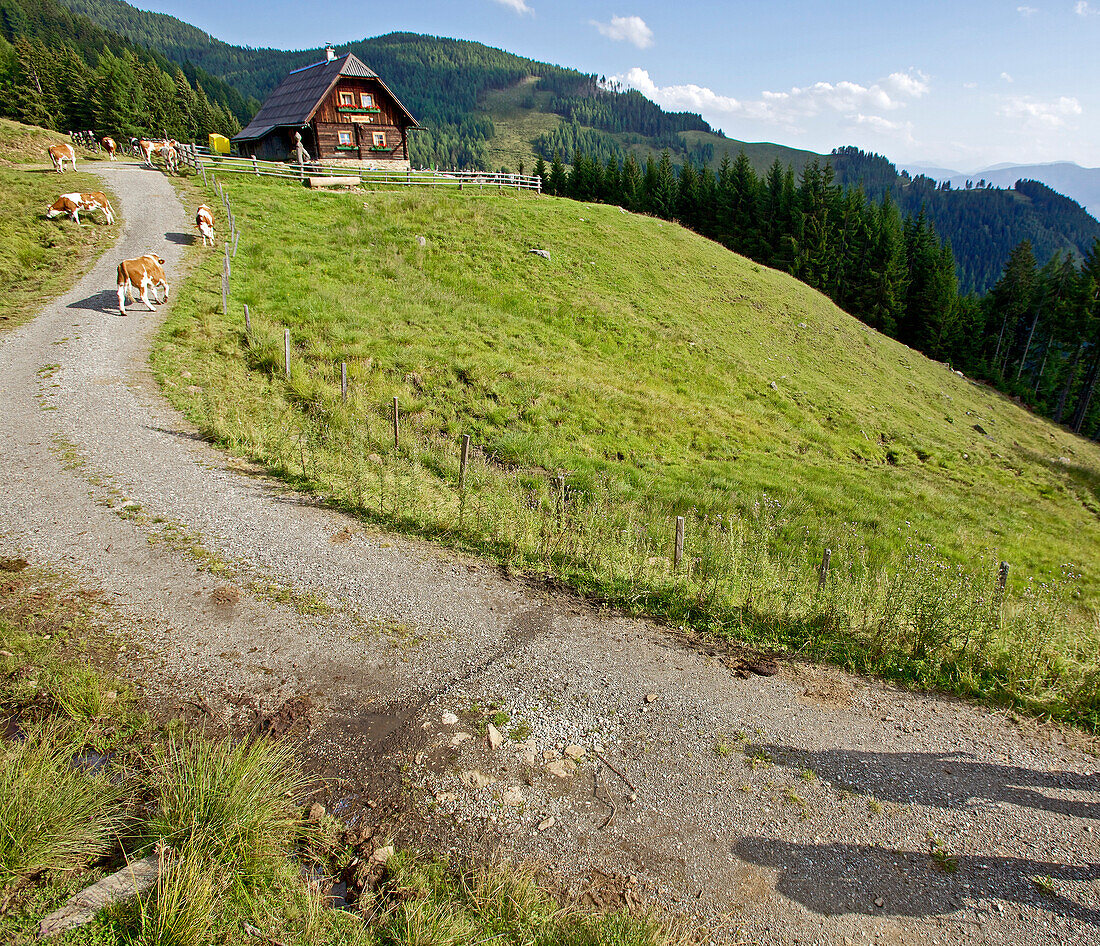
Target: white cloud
520, 6
1055, 113
858, 103
631, 29
1026, 11
970, 85
1083, 9
1006, 77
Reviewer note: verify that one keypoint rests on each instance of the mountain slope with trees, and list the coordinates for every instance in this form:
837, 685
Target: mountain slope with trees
983, 223
62, 71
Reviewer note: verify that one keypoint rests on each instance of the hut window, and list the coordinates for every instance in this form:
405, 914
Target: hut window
367, 99
345, 137
347, 98
379, 139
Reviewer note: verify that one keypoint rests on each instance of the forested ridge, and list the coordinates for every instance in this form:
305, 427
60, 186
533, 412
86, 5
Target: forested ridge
61, 71
983, 223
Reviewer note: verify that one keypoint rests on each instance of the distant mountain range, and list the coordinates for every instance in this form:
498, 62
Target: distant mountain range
1072, 180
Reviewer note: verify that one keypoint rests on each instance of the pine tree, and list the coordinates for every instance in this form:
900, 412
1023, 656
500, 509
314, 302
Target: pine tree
558, 181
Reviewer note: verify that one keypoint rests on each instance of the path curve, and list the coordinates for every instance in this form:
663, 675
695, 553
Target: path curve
826, 838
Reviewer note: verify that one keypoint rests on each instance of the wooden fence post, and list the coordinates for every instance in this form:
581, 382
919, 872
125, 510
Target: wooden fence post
225, 293
228, 268
462, 460
247, 321
236, 240
396, 424
823, 569
678, 551
286, 351
343, 382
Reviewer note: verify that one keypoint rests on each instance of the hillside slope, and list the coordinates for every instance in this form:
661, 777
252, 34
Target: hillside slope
660, 373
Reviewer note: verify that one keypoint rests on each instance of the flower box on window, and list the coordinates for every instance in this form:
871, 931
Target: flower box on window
347, 148
380, 148
352, 110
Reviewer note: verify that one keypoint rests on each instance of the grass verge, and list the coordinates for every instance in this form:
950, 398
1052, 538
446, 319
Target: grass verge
41, 258
641, 374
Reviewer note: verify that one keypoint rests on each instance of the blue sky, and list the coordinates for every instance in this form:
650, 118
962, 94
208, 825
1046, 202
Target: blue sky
962, 85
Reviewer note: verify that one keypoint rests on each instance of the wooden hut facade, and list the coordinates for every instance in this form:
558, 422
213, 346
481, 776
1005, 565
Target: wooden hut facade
343, 111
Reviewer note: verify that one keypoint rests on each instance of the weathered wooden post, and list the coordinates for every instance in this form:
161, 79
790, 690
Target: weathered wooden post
343, 382
255, 166
247, 321
823, 569
462, 460
678, 551
225, 293
236, 240
286, 351
396, 423
228, 268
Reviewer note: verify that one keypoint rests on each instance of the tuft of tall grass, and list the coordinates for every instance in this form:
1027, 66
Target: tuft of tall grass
180, 911
53, 815
229, 803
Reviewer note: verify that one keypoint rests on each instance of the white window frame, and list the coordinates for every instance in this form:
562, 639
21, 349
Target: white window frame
379, 139
347, 99
344, 138
366, 99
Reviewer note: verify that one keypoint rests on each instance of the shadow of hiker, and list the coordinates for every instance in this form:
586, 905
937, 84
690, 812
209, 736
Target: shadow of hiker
180, 239
944, 779
848, 878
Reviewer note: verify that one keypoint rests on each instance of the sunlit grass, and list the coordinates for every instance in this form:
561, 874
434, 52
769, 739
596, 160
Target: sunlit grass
663, 376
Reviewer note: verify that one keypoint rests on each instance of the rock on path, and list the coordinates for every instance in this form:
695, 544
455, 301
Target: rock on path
806, 807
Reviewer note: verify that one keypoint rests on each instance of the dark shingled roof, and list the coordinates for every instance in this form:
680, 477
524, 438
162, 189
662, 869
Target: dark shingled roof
297, 97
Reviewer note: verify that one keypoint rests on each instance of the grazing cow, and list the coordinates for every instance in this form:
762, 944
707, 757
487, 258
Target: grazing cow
204, 220
144, 273
59, 154
109, 146
72, 204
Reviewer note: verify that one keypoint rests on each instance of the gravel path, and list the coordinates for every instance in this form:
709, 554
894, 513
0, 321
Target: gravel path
808, 806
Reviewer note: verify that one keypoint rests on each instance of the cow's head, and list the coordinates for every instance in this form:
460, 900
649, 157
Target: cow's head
52, 212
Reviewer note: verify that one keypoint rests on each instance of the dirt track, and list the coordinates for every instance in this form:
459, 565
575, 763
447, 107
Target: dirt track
807, 807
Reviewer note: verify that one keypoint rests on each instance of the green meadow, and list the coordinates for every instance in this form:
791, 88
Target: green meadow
658, 375
39, 257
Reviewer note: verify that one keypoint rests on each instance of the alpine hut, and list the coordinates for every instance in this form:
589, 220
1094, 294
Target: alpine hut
343, 111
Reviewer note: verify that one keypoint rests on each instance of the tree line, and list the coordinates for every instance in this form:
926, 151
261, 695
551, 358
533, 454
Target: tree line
1035, 335
121, 96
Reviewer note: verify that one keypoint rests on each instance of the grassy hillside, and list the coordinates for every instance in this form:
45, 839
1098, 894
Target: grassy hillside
40, 258
664, 376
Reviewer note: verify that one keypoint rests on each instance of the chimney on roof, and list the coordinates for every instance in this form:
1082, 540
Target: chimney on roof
330, 53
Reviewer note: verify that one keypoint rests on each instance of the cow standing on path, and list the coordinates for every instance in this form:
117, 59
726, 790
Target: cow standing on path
109, 146
204, 220
59, 154
72, 204
144, 273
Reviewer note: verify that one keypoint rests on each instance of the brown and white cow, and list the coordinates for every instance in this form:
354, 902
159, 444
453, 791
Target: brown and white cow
204, 220
72, 204
109, 146
163, 149
59, 154
144, 273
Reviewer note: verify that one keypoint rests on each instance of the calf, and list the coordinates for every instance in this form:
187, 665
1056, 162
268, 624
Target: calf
204, 220
72, 204
142, 273
109, 146
59, 154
